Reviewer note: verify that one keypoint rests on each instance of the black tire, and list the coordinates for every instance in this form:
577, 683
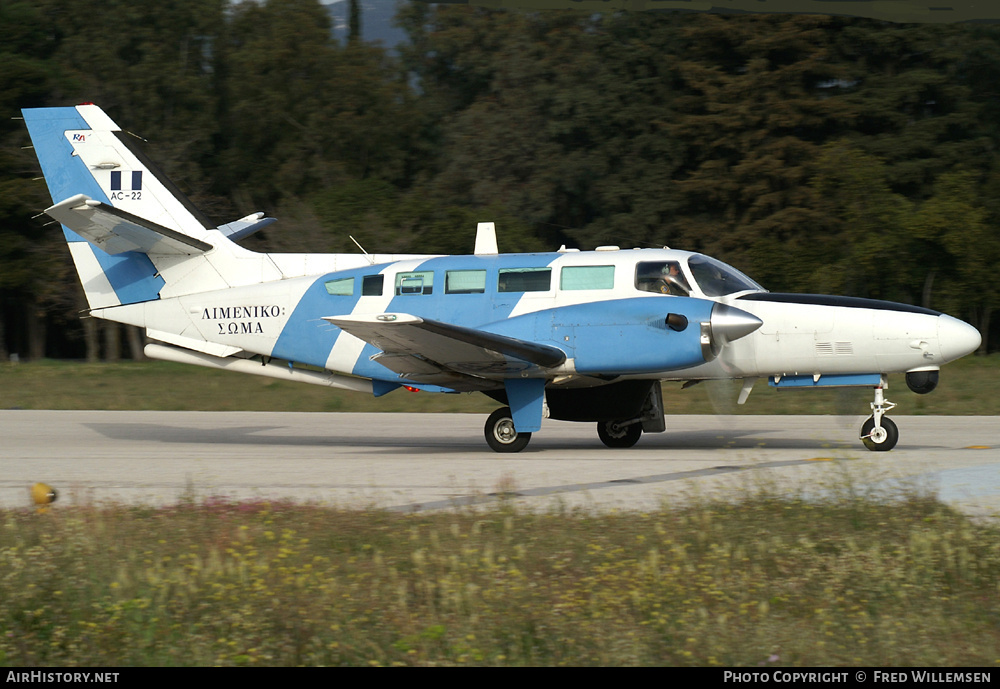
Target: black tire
618, 437
882, 442
500, 433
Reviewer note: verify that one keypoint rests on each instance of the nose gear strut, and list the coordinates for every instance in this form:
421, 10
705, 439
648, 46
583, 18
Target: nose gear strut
879, 433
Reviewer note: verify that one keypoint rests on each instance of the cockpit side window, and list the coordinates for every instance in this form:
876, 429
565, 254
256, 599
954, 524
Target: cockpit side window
661, 277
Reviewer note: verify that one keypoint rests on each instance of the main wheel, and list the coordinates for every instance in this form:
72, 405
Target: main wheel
613, 435
500, 432
879, 440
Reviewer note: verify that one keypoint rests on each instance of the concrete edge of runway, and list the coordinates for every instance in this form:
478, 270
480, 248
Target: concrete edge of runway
437, 461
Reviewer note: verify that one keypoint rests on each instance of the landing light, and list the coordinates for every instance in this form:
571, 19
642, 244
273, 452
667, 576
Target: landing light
676, 322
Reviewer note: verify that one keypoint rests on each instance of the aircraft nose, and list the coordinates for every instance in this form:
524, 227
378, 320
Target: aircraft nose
957, 338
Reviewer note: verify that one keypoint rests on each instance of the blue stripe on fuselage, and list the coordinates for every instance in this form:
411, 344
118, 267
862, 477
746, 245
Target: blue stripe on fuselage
306, 337
620, 336
131, 274
470, 310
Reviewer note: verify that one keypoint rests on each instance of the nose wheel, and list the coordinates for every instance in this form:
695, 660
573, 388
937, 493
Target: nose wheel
878, 432
881, 439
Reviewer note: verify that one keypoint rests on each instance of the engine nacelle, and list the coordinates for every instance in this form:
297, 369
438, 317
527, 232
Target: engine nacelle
635, 336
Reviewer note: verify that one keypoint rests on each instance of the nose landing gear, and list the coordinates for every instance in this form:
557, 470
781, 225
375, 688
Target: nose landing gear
878, 432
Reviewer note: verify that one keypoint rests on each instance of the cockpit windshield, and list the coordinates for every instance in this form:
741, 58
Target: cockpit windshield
716, 279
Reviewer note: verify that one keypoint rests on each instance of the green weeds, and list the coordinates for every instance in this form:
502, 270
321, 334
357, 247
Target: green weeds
762, 581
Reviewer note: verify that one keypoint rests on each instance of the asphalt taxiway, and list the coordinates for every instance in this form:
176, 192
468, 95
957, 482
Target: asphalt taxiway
433, 461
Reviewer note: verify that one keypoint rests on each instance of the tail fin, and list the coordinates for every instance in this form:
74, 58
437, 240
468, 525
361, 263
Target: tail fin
119, 213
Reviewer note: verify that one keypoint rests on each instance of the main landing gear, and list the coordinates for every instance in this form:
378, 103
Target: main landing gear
623, 412
879, 433
500, 433
620, 434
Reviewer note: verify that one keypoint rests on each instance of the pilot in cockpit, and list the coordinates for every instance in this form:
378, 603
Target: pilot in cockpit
662, 278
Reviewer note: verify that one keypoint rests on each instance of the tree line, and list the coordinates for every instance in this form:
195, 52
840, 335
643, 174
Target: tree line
817, 154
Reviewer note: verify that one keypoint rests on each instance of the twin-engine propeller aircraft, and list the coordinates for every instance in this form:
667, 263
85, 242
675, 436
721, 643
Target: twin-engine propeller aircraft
573, 335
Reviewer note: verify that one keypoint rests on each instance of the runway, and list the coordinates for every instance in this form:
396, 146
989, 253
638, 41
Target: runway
435, 461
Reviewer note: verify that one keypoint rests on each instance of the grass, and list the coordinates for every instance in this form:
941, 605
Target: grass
856, 580
967, 387
167, 386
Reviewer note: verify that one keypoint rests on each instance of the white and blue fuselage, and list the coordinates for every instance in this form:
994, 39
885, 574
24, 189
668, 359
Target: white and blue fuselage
610, 331
575, 335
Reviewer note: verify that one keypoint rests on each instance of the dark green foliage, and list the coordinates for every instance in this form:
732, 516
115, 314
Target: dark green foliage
816, 153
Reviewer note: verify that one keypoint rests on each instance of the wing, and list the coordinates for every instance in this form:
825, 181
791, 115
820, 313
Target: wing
428, 351
116, 231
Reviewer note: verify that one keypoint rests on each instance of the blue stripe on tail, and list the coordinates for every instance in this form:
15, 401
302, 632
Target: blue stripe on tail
131, 274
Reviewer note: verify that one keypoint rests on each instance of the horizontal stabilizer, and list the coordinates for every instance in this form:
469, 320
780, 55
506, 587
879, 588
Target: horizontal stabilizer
116, 231
244, 227
455, 348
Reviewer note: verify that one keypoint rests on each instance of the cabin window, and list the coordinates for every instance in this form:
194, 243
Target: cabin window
343, 287
421, 282
465, 282
587, 277
371, 285
524, 280
662, 277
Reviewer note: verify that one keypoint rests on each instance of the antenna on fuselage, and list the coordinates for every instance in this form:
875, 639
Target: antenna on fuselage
370, 259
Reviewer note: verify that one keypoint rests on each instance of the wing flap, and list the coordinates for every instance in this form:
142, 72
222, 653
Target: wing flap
450, 347
116, 231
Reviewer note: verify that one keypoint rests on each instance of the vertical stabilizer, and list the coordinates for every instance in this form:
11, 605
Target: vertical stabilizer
83, 152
